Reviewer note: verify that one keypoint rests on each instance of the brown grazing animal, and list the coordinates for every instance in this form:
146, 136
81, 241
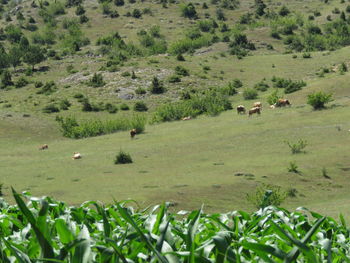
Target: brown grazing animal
254, 110
240, 109
132, 133
282, 103
43, 147
76, 155
257, 105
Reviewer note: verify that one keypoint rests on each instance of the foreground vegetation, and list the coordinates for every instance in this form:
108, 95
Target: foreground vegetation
46, 230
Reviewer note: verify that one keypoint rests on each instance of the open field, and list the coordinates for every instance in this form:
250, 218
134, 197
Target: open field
195, 162
187, 163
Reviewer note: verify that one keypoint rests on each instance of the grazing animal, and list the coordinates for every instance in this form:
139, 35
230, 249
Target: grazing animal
282, 103
132, 133
254, 110
257, 105
76, 155
186, 118
240, 109
43, 147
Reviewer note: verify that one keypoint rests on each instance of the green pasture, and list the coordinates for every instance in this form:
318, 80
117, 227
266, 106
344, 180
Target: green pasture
191, 162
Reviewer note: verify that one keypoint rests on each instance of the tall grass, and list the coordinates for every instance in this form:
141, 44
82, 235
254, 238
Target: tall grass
45, 230
88, 128
211, 103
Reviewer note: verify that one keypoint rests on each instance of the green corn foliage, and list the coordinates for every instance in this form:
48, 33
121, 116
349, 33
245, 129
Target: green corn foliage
45, 230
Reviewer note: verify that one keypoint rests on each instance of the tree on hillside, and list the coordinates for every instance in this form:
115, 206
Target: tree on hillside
3, 59
15, 56
189, 11
33, 55
260, 7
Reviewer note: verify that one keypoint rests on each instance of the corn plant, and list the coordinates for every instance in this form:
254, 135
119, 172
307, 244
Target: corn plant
46, 230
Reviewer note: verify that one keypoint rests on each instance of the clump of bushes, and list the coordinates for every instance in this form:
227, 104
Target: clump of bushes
261, 86
181, 71
21, 82
71, 128
266, 195
140, 106
96, 80
49, 88
157, 86
288, 85
318, 99
211, 103
250, 94
50, 108
122, 158
297, 147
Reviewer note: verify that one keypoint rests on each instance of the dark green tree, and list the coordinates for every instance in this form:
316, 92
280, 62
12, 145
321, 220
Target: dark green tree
15, 56
33, 55
6, 79
189, 11
260, 7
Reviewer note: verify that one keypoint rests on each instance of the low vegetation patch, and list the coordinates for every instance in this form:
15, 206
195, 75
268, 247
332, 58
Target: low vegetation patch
211, 103
71, 128
318, 99
122, 158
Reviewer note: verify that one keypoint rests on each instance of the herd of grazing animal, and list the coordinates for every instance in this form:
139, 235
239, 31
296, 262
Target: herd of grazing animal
257, 107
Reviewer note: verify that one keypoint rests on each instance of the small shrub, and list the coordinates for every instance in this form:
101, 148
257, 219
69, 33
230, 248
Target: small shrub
180, 57
49, 88
181, 71
122, 158
306, 55
174, 79
343, 68
140, 106
157, 86
21, 82
124, 107
237, 83
96, 80
38, 84
261, 86
111, 108
65, 104
318, 99
126, 74
273, 97
78, 96
50, 109
250, 94
293, 168
297, 147
266, 195
136, 13
140, 91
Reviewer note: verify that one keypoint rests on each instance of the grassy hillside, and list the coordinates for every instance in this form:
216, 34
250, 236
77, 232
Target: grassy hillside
187, 163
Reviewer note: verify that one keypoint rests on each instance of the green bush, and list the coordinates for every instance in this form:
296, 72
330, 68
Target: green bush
273, 97
266, 195
189, 11
49, 88
71, 128
211, 103
140, 106
174, 79
50, 109
250, 94
140, 91
318, 99
65, 104
21, 82
181, 71
297, 147
111, 108
122, 158
124, 107
96, 80
157, 86
261, 86
293, 168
